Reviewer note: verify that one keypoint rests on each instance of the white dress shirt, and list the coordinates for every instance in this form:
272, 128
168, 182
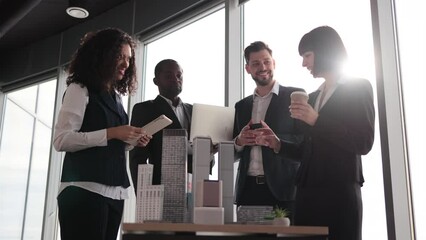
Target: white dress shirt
260, 106
179, 112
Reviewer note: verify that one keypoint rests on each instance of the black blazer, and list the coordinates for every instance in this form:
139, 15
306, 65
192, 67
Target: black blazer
343, 132
142, 114
280, 171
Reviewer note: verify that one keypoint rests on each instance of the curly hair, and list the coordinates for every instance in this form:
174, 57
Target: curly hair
94, 63
329, 50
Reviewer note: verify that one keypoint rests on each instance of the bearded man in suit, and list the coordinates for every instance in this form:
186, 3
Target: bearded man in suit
264, 176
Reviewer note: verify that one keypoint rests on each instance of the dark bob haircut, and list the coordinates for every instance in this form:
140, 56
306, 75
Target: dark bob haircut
94, 63
329, 51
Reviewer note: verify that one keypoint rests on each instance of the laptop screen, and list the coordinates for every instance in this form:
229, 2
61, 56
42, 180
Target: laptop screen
216, 122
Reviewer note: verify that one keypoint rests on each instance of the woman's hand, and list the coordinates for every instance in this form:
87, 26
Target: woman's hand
303, 111
144, 140
124, 133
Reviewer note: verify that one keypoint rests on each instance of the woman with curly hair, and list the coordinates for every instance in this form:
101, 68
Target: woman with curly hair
92, 129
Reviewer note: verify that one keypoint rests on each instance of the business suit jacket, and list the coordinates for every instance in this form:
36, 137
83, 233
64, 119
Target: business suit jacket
343, 132
280, 172
330, 175
142, 114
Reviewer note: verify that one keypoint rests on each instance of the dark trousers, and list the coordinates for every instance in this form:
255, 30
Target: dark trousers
87, 215
339, 208
256, 193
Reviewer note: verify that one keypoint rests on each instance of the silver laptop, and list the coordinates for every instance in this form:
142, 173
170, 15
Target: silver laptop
216, 122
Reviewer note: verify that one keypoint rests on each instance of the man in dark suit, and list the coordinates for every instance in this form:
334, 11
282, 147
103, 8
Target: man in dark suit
168, 78
264, 177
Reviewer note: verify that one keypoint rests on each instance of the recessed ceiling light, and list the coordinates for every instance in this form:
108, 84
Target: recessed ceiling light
77, 12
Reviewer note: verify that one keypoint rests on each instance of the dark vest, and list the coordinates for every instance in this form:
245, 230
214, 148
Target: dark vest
105, 165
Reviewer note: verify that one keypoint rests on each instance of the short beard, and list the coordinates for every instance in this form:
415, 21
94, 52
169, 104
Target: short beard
263, 82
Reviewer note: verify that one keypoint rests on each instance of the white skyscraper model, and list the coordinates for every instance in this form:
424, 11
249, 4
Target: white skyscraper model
226, 175
149, 198
213, 198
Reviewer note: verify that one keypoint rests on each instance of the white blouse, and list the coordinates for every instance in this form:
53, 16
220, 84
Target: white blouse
68, 138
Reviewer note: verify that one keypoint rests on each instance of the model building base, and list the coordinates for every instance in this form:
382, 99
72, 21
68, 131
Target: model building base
209, 215
253, 213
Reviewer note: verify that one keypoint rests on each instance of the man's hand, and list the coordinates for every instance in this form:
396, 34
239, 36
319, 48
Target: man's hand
247, 136
263, 136
266, 137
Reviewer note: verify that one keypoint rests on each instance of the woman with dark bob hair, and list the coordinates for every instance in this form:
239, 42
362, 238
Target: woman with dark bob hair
92, 129
338, 124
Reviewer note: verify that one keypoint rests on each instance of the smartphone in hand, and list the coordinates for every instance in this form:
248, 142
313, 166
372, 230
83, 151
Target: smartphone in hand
255, 126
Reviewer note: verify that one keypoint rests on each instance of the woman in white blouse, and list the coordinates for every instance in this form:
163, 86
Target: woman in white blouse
93, 129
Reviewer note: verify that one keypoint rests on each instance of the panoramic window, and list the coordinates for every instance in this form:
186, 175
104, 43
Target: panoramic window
281, 25
200, 53
411, 45
24, 159
199, 48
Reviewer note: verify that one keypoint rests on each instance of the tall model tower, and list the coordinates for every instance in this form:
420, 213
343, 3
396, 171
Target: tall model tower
174, 176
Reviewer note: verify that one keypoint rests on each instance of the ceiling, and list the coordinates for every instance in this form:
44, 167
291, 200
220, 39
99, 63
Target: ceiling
25, 21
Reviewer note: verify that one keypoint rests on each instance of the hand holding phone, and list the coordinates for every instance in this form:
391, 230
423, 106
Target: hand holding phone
255, 126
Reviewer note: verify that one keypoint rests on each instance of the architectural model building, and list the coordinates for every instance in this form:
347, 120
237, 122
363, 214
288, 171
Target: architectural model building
174, 176
201, 157
226, 175
253, 213
149, 198
213, 198
208, 208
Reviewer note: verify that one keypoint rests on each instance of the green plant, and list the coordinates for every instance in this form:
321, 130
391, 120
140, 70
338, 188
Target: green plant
278, 212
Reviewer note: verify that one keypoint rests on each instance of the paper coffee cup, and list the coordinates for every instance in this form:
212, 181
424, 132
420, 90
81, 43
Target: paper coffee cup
299, 96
